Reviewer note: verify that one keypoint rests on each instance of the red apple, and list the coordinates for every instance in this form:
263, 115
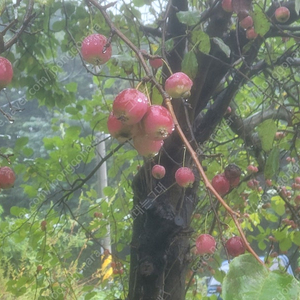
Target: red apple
6, 72
43, 225
158, 171
235, 246
221, 184
297, 199
234, 182
156, 63
269, 182
228, 110
178, 85
246, 22
252, 169
130, 106
39, 268
7, 177
157, 123
252, 184
279, 135
184, 177
145, 146
98, 215
118, 129
282, 14
106, 252
227, 5
196, 216
95, 50
232, 172
296, 186
205, 244
251, 34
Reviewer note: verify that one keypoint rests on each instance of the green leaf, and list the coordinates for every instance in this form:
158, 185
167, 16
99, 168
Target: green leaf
27, 151
189, 64
222, 46
296, 237
285, 244
266, 132
156, 97
17, 211
90, 295
247, 279
71, 110
21, 142
189, 18
202, 40
71, 87
58, 25
108, 191
73, 131
261, 23
138, 3
272, 163
278, 205
30, 191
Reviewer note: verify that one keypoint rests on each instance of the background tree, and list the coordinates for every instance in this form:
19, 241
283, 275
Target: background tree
243, 109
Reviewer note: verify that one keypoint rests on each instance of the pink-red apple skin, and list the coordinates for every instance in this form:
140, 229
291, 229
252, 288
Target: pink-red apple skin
95, 50
145, 146
158, 171
221, 184
7, 177
156, 63
118, 129
6, 72
130, 106
184, 177
235, 246
227, 5
246, 22
282, 14
251, 33
205, 244
178, 85
157, 123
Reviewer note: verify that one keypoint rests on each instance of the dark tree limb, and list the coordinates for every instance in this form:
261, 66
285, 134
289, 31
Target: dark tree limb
29, 16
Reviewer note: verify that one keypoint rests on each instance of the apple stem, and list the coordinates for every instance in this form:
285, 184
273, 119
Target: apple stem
167, 65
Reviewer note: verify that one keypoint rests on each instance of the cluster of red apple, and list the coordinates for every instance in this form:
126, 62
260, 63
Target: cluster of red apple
117, 267
229, 179
133, 115
206, 244
7, 177
184, 176
282, 14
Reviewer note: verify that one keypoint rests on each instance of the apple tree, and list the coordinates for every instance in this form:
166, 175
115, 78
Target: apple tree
197, 103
